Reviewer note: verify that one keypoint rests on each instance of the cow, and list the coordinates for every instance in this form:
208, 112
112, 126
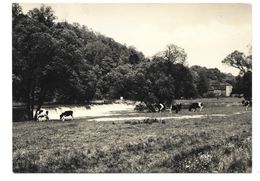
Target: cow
195, 106
150, 107
159, 107
247, 103
175, 107
162, 107
40, 114
66, 114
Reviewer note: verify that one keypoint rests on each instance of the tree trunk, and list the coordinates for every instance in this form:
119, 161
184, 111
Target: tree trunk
28, 109
32, 102
40, 102
30, 89
28, 102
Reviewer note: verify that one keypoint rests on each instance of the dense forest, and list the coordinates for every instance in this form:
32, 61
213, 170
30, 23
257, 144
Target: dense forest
70, 63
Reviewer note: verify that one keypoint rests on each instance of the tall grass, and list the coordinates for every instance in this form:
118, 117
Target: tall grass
213, 145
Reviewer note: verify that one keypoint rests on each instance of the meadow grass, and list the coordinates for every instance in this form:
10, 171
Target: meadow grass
207, 145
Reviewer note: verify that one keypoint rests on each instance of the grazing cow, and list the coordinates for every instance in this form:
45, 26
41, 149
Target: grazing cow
66, 114
247, 103
162, 107
40, 111
150, 107
176, 108
159, 107
195, 106
40, 115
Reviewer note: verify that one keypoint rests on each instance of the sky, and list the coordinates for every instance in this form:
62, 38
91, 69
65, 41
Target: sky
207, 32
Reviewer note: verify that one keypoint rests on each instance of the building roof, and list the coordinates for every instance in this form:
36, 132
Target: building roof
221, 86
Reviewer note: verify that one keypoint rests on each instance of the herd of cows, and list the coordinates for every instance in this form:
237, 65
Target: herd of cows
153, 107
175, 107
45, 114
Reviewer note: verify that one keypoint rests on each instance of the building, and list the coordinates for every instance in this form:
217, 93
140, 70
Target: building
228, 90
221, 90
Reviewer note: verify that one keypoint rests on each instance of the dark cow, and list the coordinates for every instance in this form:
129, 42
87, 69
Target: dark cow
66, 114
150, 107
195, 106
247, 103
176, 108
155, 107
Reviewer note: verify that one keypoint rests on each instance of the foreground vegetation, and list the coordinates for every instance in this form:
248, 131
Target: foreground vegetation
212, 145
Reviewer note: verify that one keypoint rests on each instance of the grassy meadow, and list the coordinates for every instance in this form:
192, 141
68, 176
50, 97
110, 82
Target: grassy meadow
213, 144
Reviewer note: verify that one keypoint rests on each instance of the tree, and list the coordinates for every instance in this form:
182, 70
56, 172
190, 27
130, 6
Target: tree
46, 59
135, 57
247, 85
138, 87
167, 81
44, 15
32, 50
203, 83
72, 85
184, 84
173, 53
16, 11
240, 61
96, 51
244, 63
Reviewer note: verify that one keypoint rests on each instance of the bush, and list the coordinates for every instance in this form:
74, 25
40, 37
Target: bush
145, 121
140, 107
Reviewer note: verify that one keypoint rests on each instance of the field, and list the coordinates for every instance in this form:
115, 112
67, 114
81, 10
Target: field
220, 141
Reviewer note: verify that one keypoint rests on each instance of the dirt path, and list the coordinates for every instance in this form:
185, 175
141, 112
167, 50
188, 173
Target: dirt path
164, 117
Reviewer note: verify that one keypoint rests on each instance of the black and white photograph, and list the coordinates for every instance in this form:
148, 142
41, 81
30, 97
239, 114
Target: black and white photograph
131, 88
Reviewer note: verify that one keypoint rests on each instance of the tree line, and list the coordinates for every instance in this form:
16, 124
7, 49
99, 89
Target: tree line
70, 63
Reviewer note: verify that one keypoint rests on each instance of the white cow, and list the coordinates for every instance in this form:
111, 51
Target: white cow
42, 115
